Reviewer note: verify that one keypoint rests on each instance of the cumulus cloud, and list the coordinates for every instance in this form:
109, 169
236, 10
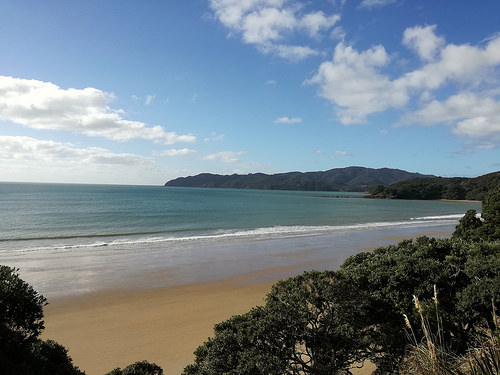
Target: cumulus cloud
468, 114
358, 84
352, 82
225, 156
178, 152
288, 120
44, 105
463, 64
423, 41
266, 23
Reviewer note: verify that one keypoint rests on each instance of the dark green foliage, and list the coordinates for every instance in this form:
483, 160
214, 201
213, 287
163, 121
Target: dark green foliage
339, 179
474, 302
491, 215
465, 274
51, 358
244, 345
138, 368
21, 322
468, 227
320, 315
21, 309
324, 322
440, 188
311, 324
472, 228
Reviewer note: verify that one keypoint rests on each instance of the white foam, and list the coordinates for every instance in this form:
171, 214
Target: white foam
250, 234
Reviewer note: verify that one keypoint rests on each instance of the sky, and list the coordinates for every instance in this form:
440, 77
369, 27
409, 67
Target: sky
141, 92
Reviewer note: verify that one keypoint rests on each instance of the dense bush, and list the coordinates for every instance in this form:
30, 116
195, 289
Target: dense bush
138, 368
326, 322
21, 323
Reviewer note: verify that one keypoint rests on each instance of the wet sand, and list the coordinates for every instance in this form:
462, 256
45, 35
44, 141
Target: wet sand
149, 315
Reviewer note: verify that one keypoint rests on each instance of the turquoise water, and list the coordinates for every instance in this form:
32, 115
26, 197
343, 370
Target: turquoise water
51, 216
72, 239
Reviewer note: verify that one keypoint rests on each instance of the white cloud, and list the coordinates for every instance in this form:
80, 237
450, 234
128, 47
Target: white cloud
149, 99
463, 64
224, 156
266, 23
339, 153
375, 3
30, 159
215, 137
351, 82
316, 22
469, 115
178, 152
31, 149
357, 84
293, 53
423, 41
338, 33
44, 105
287, 120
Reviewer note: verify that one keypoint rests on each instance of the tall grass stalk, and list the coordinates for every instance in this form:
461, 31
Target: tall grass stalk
430, 356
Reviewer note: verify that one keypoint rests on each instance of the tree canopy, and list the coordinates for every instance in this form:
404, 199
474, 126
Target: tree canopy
327, 322
22, 352
456, 188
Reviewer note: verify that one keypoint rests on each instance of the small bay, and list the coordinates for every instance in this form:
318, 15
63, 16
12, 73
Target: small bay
85, 235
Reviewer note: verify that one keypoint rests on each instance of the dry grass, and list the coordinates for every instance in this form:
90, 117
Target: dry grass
430, 356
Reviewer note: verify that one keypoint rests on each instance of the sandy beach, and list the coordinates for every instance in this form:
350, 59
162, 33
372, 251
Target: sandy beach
112, 329
116, 328
146, 319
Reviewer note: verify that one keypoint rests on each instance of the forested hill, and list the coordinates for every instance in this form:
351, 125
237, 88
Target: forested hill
339, 179
440, 188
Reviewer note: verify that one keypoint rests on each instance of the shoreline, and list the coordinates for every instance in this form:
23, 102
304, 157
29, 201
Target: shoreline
118, 327
142, 318
165, 326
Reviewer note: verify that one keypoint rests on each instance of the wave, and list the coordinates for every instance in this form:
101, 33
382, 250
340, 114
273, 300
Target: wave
58, 243
442, 217
67, 237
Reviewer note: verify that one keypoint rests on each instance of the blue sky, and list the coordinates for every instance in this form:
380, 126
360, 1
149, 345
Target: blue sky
140, 92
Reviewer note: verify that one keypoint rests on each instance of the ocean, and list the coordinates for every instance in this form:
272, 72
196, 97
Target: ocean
68, 239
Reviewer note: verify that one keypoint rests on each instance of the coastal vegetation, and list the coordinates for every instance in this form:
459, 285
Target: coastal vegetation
338, 179
422, 306
329, 322
456, 188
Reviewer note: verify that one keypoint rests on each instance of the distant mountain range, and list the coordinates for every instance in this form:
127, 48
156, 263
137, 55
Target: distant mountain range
338, 179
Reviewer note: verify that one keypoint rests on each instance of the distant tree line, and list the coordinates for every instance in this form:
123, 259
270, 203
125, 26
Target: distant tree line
339, 179
456, 188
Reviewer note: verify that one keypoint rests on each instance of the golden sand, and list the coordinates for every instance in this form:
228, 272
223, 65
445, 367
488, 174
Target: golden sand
116, 328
